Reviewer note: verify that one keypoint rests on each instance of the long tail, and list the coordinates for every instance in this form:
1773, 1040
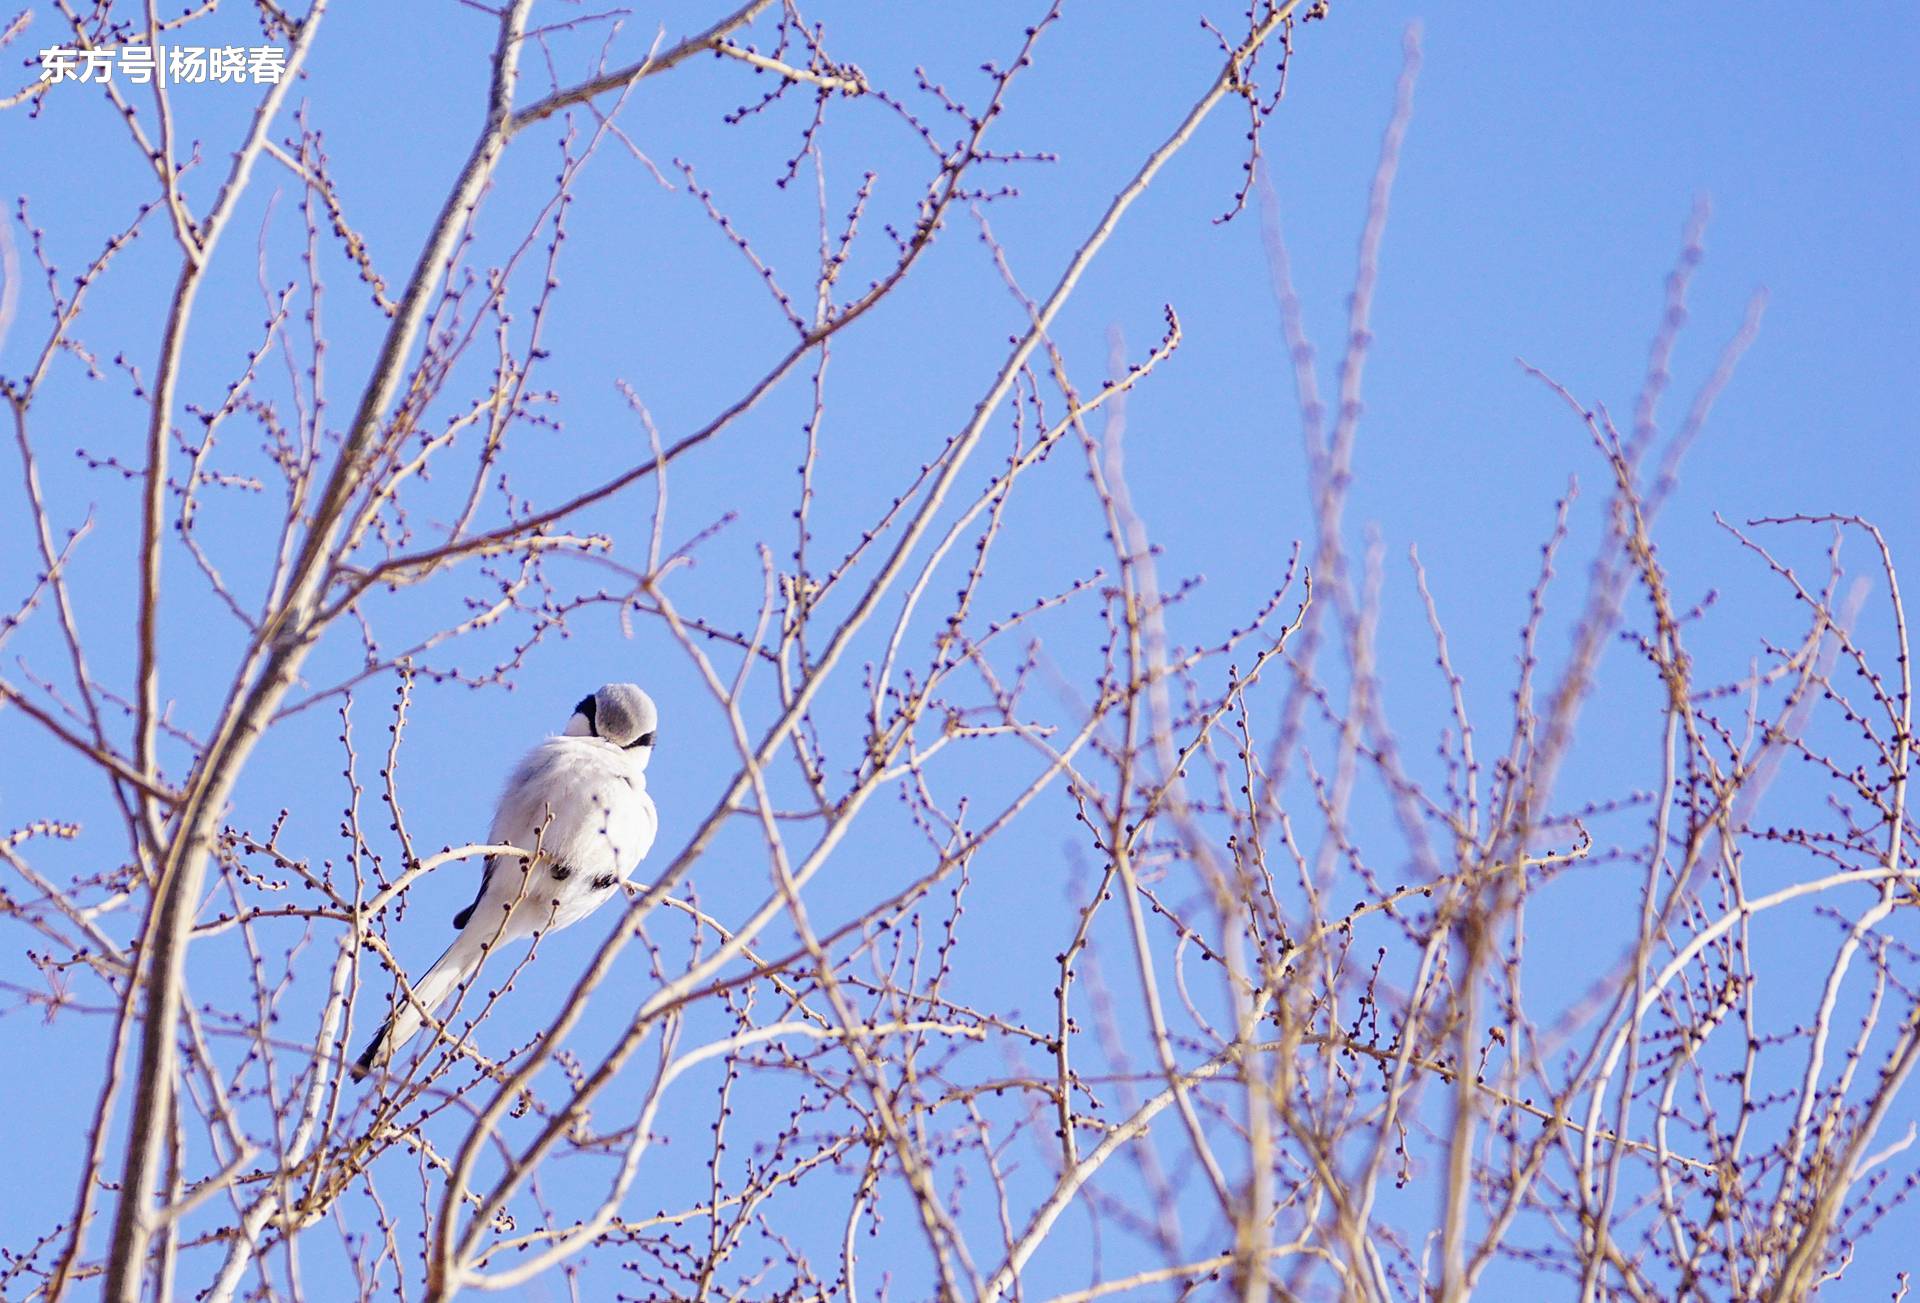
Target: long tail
460, 962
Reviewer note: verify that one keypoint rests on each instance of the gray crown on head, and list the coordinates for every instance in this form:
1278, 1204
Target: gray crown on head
622, 714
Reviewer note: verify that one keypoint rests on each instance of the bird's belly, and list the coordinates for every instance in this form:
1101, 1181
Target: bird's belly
570, 906
539, 902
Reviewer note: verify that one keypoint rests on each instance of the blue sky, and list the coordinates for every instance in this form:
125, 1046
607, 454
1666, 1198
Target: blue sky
1554, 156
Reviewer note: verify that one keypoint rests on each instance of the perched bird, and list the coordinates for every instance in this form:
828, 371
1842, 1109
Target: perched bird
578, 805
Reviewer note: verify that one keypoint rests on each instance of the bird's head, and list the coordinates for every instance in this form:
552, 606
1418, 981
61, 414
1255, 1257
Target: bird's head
619, 713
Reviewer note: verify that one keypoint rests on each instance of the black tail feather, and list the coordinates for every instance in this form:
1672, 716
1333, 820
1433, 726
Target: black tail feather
460, 919
364, 1064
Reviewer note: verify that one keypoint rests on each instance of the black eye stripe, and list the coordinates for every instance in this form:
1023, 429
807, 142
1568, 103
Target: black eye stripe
644, 740
590, 708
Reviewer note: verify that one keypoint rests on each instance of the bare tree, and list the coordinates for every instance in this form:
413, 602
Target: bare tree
1293, 1043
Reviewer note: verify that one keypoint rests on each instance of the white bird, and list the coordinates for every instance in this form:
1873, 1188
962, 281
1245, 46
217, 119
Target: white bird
578, 805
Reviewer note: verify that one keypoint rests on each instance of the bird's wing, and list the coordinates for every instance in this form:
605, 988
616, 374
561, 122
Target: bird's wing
519, 820
632, 824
